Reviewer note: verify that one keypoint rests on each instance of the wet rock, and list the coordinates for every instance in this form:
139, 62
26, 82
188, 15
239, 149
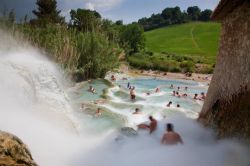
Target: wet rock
126, 132
13, 152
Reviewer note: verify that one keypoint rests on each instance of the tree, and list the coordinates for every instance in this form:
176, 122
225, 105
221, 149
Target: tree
205, 15
119, 22
47, 12
11, 16
172, 15
85, 20
194, 12
133, 37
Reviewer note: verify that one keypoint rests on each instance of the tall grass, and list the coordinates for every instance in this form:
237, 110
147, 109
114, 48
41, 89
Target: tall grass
84, 55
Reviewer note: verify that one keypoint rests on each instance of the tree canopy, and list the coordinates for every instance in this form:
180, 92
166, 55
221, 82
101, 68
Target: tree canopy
47, 12
174, 15
84, 20
133, 37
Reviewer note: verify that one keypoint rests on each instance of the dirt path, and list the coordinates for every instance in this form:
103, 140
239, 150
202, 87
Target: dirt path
193, 39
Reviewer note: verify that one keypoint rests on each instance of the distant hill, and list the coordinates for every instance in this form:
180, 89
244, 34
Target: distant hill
196, 39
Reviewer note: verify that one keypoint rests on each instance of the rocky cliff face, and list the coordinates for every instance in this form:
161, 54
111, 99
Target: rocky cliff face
227, 107
13, 152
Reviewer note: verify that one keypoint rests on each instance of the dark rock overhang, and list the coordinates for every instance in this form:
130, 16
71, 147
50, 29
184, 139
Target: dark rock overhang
225, 7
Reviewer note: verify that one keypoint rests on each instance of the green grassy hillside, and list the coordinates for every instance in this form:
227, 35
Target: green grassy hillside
196, 40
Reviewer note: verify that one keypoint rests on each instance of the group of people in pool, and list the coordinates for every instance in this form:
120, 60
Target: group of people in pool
170, 137
178, 94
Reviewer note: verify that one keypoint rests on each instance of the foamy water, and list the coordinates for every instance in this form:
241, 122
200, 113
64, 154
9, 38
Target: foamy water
36, 108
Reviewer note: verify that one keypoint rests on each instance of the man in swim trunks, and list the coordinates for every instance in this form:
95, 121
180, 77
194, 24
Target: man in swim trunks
171, 137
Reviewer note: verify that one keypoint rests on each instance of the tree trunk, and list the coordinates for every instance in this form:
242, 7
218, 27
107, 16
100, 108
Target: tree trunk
227, 106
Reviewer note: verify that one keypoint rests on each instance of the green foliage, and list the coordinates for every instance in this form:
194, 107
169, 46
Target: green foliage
194, 12
205, 15
133, 37
85, 55
11, 17
161, 62
187, 66
85, 20
172, 16
198, 40
47, 13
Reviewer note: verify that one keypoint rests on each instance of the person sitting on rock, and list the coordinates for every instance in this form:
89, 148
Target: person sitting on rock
152, 125
170, 137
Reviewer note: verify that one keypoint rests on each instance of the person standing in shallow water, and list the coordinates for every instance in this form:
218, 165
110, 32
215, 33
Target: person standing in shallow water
171, 137
132, 94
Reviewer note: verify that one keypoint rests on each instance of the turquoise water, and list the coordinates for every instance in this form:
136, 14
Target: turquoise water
118, 103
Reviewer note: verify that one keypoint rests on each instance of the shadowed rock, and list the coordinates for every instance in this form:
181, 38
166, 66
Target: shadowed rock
13, 152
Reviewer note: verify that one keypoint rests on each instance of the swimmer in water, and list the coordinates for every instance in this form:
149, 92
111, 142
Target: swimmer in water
137, 111
157, 90
91, 89
98, 112
177, 94
174, 93
195, 96
203, 96
113, 78
171, 86
169, 104
184, 95
178, 106
171, 137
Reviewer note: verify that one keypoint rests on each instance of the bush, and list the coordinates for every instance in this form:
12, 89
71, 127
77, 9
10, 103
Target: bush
187, 66
207, 70
175, 69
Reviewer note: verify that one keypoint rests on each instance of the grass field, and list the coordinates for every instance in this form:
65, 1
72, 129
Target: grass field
194, 39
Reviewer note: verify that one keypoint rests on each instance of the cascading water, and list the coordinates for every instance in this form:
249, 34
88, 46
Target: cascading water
36, 108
